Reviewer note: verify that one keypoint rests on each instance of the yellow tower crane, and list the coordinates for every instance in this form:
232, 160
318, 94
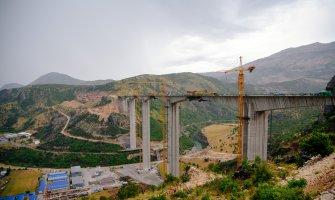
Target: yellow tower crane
240, 83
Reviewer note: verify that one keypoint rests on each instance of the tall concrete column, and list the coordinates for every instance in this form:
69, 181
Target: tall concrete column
245, 132
265, 135
173, 139
169, 138
146, 133
251, 147
257, 131
132, 120
125, 105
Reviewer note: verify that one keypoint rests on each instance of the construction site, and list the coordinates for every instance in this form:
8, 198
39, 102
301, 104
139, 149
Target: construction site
247, 138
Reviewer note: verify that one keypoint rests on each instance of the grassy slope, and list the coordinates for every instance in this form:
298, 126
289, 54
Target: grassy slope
287, 125
21, 181
221, 137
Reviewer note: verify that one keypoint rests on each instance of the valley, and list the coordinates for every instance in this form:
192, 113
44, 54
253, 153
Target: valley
87, 125
222, 137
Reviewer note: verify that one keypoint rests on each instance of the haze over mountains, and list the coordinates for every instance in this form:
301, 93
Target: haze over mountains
294, 70
306, 69
11, 86
58, 78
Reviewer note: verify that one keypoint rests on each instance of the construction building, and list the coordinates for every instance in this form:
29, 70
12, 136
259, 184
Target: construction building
77, 180
76, 171
57, 181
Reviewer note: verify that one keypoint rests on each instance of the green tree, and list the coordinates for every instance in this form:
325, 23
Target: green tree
317, 143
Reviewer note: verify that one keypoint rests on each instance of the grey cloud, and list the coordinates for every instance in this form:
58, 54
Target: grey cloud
108, 38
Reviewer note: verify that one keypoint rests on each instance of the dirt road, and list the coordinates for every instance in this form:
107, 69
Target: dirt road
78, 137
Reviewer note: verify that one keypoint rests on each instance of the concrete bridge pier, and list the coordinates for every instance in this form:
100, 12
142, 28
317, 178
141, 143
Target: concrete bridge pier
245, 134
173, 138
125, 106
132, 121
255, 133
146, 133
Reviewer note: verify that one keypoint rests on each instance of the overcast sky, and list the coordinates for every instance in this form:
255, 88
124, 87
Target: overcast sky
115, 39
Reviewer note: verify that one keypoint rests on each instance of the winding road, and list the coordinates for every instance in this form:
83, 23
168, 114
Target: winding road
59, 152
66, 134
78, 137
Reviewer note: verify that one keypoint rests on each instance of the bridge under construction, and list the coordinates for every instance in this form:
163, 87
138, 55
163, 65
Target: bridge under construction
256, 110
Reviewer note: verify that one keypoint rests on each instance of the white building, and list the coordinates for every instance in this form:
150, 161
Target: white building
75, 171
17, 135
11, 136
37, 142
24, 134
77, 182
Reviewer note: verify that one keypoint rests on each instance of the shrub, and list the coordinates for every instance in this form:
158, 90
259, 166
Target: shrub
160, 197
199, 191
262, 173
223, 167
301, 183
228, 186
283, 174
129, 190
180, 194
153, 188
244, 171
278, 193
206, 197
184, 178
247, 184
317, 143
170, 178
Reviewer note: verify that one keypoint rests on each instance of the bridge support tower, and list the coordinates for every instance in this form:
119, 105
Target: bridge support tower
255, 133
146, 133
132, 121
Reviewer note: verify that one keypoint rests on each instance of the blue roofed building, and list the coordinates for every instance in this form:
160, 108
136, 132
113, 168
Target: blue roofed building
30, 196
57, 181
58, 175
41, 186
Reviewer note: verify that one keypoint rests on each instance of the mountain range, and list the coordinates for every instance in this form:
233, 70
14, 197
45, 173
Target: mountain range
57, 78
304, 69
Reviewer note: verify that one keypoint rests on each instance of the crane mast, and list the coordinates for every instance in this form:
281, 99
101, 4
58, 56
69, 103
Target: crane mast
240, 110
240, 83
